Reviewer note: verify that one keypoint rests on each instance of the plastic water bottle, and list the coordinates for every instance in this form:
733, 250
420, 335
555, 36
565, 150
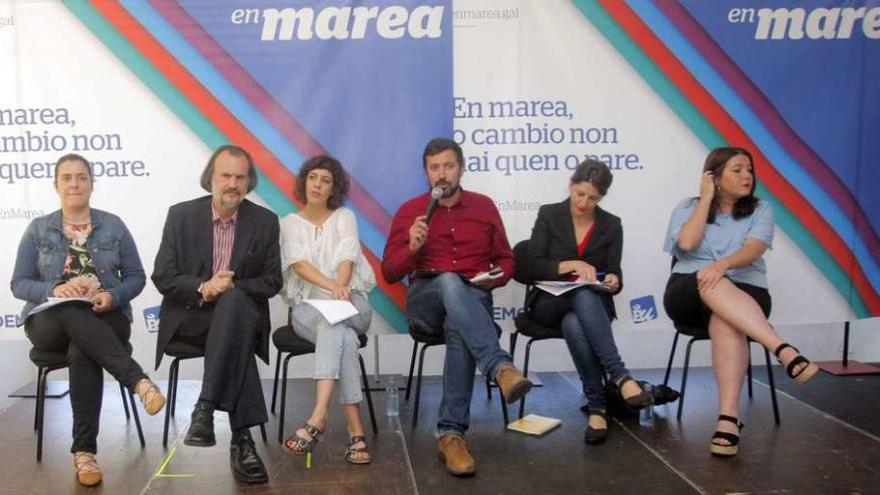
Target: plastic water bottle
392, 404
646, 414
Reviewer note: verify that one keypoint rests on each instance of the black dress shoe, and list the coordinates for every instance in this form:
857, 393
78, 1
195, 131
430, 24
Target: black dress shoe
201, 427
247, 467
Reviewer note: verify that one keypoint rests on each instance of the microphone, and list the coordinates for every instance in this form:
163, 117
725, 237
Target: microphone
436, 194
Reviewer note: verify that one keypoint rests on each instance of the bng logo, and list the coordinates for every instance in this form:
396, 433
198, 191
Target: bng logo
643, 309
151, 319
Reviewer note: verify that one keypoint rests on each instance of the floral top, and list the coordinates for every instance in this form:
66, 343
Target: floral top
79, 269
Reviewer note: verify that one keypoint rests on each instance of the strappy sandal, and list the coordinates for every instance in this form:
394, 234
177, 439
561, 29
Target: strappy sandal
805, 373
87, 471
297, 444
638, 401
722, 450
353, 451
151, 397
596, 436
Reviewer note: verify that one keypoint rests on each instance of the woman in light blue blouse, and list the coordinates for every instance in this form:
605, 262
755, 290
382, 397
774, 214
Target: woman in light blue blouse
719, 280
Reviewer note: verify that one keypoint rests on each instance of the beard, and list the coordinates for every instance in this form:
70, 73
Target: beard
229, 202
448, 189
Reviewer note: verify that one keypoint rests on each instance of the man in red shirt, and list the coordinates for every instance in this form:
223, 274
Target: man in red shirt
465, 239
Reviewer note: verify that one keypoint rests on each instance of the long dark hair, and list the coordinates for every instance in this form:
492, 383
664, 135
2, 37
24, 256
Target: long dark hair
715, 163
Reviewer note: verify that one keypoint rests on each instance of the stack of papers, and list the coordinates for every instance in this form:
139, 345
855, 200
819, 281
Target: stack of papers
533, 424
333, 310
559, 287
51, 302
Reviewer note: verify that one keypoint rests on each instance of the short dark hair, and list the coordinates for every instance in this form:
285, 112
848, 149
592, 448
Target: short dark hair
439, 145
716, 161
73, 157
340, 179
596, 173
236, 151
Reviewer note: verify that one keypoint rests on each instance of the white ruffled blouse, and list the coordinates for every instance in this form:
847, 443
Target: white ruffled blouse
324, 246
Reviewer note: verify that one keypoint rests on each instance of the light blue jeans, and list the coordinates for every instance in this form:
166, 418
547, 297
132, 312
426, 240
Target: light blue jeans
336, 346
464, 314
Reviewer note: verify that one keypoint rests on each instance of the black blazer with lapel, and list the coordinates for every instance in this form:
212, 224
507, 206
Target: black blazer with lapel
553, 241
186, 257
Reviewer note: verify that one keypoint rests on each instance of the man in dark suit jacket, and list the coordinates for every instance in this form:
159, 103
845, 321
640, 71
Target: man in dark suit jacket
217, 266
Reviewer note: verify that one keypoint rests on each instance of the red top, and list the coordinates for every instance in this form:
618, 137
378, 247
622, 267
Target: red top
467, 238
586, 239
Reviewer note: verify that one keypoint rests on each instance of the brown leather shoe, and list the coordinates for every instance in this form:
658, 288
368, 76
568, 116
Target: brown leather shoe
454, 452
512, 383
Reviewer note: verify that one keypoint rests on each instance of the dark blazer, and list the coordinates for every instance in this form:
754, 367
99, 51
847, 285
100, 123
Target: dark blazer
553, 241
186, 259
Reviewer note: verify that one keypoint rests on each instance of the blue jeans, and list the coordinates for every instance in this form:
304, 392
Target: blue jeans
463, 313
586, 327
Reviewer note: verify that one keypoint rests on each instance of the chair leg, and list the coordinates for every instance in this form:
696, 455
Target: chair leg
772, 383
125, 401
263, 432
283, 399
172, 379
684, 376
419, 385
41, 405
369, 394
175, 384
513, 336
749, 369
504, 414
37, 403
671, 357
412, 367
128, 396
522, 402
488, 389
275, 381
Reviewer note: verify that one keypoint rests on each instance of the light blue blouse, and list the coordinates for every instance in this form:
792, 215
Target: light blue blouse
721, 239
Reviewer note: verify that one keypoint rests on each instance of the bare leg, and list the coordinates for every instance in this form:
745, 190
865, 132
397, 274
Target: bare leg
318, 419
730, 357
741, 312
355, 429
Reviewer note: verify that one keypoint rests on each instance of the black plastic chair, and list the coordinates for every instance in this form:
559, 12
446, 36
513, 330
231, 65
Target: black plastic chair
427, 337
180, 351
47, 362
287, 341
697, 333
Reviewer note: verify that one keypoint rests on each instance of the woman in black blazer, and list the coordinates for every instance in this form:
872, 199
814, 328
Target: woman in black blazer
575, 239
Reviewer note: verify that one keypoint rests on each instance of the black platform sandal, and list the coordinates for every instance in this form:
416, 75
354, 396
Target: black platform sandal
726, 450
596, 436
805, 373
352, 452
638, 401
297, 444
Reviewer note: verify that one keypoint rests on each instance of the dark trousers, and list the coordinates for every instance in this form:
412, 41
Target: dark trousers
227, 329
92, 341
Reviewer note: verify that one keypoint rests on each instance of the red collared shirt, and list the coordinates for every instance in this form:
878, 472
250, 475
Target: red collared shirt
466, 238
224, 238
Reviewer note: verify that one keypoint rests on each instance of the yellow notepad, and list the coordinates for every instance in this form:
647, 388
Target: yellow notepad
533, 424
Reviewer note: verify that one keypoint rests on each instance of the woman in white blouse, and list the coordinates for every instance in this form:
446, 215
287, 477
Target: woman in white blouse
322, 259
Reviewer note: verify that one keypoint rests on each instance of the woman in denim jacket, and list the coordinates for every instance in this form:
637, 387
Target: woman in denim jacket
87, 255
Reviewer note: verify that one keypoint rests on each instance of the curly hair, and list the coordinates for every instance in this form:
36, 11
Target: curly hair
340, 179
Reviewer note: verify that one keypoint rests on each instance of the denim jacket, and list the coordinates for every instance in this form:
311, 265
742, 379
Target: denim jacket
43, 251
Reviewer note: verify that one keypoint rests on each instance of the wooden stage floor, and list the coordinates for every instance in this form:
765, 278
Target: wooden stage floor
828, 442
